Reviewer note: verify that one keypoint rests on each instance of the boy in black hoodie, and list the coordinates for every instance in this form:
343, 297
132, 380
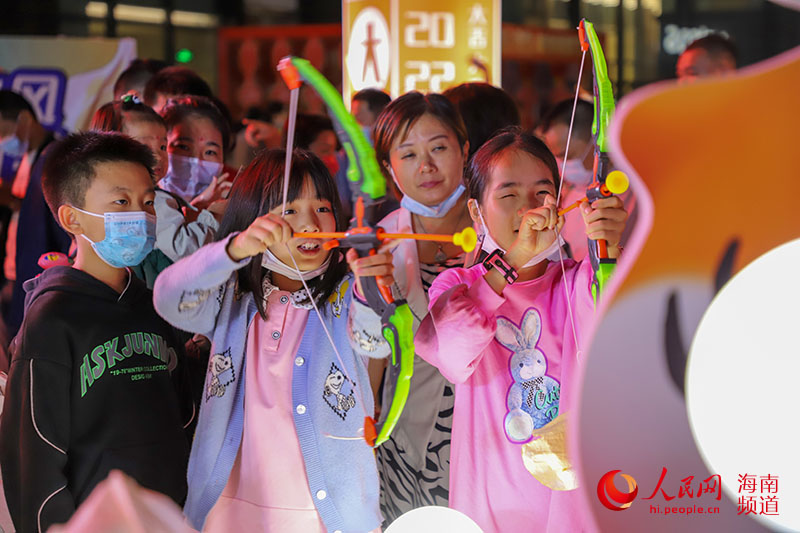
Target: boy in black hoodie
89, 388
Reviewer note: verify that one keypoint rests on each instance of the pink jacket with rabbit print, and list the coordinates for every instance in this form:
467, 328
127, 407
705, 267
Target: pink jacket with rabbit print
512, 358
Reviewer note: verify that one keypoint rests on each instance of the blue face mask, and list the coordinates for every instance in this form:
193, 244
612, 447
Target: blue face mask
433, 211
12, 149
130, 236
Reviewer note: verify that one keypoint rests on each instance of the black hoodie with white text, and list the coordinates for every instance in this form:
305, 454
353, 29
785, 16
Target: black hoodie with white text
89, 390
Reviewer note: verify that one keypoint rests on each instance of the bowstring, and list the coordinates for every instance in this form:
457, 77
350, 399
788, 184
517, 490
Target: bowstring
327, 333
290, 127
558, 202
294, 94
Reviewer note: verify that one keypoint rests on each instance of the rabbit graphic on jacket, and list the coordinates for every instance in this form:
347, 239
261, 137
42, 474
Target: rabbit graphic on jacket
532, 399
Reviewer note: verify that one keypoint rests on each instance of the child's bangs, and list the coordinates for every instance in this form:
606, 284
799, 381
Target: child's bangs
303, 164
297, 185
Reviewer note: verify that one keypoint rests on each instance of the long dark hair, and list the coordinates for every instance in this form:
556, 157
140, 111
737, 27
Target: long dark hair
485, 110
258, 190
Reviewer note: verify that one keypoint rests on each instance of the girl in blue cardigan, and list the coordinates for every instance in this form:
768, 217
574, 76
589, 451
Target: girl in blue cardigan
290, 454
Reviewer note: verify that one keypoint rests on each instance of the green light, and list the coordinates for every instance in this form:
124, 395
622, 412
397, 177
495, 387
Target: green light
184, 55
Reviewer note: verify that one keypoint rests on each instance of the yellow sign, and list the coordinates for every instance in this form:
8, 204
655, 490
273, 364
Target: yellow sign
422, 45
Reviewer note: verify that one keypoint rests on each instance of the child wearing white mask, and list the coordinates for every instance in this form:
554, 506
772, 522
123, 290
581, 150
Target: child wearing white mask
502, 331
279, 444
197, 138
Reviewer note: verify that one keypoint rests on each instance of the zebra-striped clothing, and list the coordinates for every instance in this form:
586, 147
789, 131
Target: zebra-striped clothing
405, 487
414, 464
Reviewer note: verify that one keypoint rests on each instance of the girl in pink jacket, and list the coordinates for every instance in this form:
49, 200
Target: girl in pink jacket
502, 332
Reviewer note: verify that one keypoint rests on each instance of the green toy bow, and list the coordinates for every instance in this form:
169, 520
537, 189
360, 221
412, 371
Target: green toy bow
368, 188
605, 183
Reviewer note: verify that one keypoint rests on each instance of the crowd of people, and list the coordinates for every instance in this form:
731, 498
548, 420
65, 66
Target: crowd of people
163, 319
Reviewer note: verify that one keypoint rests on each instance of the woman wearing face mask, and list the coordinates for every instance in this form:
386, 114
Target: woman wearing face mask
197, 138
421, 143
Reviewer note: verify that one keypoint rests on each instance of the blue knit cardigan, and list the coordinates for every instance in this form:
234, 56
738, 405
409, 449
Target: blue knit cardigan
198, 294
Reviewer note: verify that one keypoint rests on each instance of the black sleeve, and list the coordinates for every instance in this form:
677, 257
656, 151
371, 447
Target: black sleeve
34, 433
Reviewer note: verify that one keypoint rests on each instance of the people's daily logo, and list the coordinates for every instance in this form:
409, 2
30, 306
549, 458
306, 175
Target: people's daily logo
613, 498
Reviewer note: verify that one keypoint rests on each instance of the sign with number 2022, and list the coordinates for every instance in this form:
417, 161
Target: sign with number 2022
422, 45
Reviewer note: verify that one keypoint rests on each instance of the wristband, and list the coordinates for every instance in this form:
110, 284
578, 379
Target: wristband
496, 260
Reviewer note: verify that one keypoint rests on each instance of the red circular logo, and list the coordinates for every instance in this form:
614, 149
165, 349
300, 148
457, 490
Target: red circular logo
606, 490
